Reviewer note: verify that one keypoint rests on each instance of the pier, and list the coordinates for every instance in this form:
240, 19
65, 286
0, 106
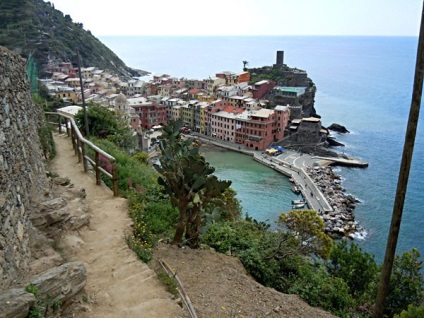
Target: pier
310, 192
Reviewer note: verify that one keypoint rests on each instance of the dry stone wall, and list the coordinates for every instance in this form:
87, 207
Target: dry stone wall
22, 170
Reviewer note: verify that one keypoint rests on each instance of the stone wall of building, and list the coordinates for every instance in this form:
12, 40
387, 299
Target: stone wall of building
22, 170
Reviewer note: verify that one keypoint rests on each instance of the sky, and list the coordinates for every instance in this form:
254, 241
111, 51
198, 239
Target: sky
245, 17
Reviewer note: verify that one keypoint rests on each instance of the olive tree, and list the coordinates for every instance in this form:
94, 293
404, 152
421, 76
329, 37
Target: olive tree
305, 235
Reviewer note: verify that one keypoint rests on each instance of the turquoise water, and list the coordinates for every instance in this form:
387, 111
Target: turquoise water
263, 192
364, 83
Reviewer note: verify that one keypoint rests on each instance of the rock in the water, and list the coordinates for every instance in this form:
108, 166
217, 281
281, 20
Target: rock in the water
338, 128
333, 142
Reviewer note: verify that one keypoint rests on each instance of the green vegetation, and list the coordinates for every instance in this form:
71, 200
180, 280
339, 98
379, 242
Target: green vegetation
168, 281
189, 182
47, 143
44, 305
406, 283
281, 76
35, 27
105, 123
296, 257
412, 312
355, 267
306, 235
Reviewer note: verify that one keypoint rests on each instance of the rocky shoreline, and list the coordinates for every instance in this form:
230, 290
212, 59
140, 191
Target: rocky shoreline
341, 221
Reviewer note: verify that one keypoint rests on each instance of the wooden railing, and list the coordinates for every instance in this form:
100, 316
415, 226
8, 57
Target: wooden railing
101, 159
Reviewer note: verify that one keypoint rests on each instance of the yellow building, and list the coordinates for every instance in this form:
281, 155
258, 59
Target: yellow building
67, 94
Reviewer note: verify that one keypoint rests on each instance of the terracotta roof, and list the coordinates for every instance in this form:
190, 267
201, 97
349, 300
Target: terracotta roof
194, 91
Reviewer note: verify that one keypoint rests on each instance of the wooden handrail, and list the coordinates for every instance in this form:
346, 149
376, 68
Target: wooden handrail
79, 143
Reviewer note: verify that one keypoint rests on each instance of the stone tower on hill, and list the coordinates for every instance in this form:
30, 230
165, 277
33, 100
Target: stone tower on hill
279, 63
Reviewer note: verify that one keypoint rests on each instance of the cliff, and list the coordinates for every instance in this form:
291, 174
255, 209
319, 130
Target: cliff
36, 27
284, 75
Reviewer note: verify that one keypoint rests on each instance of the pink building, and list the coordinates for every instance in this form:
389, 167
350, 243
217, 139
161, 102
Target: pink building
223, 122
254, 129
261, 88
151, 114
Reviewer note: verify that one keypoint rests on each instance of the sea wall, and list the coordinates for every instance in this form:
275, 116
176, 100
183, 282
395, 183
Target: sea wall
22, 170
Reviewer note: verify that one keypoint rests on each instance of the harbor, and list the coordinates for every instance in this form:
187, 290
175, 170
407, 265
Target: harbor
319, 187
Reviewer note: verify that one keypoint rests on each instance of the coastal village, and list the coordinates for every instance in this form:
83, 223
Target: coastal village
226, 107
264, 119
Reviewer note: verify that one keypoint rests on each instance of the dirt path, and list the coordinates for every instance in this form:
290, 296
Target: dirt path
118, 284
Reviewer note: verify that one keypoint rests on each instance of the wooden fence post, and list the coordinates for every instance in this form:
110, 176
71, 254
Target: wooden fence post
60, 124
115, 180
78, 149
84, 160
97, 160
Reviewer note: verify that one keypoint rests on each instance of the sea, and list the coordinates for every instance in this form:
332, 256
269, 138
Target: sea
363, 83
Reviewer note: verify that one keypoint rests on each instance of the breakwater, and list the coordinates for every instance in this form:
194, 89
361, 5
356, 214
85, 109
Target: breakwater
319, 185
321, 188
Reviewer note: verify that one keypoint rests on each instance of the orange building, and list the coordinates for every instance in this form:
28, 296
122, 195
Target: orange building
243, 77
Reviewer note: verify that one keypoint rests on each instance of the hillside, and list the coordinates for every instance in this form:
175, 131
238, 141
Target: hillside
35, 26
119, 285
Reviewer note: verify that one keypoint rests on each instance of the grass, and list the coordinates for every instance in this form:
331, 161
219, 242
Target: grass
169, 282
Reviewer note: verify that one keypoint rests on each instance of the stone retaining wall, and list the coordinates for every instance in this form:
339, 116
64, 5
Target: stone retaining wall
22, 170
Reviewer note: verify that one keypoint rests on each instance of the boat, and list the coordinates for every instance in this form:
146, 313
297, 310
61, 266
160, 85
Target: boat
298, 204
296, 189
291, 180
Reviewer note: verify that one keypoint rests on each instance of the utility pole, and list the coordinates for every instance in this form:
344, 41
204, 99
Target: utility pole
405, 166
87, 132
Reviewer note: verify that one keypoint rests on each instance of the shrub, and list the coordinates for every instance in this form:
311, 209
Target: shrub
47, 143
406, 283
412, 312
152, 216
357, 268
232, 237
263, 270
131, 173
319, 289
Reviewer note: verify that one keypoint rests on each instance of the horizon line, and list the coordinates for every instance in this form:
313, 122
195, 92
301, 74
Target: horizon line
256, 35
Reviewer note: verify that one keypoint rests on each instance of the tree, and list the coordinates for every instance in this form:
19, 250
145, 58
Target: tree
406, 283
357, 268
244, 65
305, 235
188, 180
105, 123
229, 206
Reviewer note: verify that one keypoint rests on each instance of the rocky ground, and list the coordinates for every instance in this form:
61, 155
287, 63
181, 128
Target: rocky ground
219, 286
341, 221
